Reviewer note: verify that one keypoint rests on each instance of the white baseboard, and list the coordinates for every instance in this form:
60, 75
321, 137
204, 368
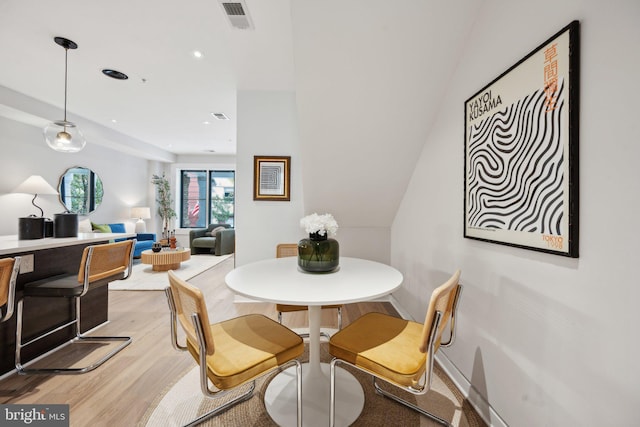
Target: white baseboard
394, 302
482, 407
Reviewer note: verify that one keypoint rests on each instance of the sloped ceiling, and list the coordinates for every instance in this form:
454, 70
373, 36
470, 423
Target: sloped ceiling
370, 76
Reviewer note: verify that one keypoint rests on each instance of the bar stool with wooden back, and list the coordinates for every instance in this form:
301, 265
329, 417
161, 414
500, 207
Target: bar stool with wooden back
288, 250
100, 265
9, 268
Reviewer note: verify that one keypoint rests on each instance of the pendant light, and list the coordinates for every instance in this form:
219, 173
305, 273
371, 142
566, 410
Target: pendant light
63, 135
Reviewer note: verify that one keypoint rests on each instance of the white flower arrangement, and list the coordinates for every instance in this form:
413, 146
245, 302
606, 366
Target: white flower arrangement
320, 224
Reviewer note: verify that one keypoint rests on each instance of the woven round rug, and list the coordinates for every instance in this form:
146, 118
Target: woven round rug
183, 402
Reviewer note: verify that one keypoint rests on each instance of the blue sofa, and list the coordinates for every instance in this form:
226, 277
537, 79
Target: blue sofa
143, 240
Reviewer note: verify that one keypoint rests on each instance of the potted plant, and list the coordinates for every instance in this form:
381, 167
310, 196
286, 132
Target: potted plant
165, 204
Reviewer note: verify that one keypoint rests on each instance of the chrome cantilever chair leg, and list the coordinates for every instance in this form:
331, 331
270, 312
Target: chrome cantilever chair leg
114, 258
398, 340
323, 334
452, 331
245, 396
78, 338
204, 380
426, 380
409, 404
332, 397
203, 368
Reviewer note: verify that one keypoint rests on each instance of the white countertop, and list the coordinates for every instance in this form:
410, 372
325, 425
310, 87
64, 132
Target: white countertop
11, 244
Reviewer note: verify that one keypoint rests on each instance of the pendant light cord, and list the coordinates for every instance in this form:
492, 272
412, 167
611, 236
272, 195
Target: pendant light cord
63, 135
66, 51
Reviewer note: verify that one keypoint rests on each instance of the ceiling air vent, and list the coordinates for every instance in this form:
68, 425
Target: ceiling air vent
220, 116
238, 14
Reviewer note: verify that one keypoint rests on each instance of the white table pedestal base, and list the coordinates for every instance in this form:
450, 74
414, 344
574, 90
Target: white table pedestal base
279, 280
280, 397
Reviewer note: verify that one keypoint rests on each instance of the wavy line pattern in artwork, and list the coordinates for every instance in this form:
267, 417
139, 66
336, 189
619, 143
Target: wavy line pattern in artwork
516, 161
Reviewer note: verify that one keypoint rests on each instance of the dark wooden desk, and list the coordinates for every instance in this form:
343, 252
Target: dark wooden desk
51, 257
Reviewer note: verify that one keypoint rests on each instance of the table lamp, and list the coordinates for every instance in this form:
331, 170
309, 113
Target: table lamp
32, 227
141, 213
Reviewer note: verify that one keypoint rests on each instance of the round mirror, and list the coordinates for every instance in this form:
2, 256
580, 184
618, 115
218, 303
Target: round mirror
80, 190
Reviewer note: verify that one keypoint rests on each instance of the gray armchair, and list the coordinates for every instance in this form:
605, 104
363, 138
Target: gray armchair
208, 241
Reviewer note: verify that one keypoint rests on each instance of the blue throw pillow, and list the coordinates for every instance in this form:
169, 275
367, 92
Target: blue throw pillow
117, 228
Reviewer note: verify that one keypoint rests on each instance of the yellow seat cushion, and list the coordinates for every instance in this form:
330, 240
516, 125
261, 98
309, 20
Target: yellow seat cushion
383, 345
246, 347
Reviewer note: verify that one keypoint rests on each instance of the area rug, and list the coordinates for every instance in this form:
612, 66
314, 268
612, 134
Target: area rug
183, 402
143, 278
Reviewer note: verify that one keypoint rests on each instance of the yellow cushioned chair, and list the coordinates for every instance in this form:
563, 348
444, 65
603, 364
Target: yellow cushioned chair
232, 352
398, 351
288, 250
9, 268
100, 265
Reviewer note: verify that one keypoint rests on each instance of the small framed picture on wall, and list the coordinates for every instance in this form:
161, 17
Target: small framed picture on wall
271, 178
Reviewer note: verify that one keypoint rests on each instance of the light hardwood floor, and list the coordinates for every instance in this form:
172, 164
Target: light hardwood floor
120, 392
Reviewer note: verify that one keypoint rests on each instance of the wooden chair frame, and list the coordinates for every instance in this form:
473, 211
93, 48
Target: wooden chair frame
9, 274
213, 392
424, 385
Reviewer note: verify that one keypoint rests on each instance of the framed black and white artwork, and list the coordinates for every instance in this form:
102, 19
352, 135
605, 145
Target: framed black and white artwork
521, 151
271, 178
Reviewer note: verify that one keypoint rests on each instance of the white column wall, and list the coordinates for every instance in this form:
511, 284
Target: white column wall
266, 127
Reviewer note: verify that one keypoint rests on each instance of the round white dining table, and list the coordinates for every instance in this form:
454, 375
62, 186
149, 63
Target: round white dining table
280, 280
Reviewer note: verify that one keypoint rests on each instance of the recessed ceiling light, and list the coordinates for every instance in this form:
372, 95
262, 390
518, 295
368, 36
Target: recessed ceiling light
118, 75
198, 54
220, 116
114, 121
206, 123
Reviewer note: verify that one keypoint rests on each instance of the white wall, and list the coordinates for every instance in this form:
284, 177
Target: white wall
373, 243
369, 77
545, 340
125, 178
266, 127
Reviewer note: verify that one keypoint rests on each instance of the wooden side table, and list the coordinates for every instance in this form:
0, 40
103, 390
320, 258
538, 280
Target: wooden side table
166, 259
